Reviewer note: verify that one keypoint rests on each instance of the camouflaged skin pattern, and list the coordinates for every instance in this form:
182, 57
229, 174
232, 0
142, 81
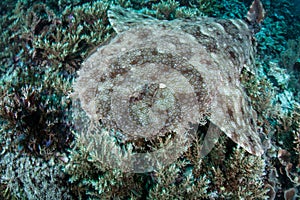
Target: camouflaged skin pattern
171, 74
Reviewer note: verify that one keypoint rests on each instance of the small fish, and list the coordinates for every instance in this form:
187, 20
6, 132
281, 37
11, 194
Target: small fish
256, 13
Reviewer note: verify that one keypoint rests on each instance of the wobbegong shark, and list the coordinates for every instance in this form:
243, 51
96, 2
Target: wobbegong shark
158, 76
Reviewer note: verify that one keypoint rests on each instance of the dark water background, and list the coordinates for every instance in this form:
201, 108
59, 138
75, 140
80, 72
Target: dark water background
297, 7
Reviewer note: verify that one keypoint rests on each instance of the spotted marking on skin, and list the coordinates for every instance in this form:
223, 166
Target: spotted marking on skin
198, 61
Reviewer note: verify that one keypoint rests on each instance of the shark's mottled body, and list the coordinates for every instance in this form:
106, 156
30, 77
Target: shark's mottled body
176, 72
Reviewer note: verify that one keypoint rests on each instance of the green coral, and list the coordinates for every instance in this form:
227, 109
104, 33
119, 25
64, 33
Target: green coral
95, 178
172, 9
166, 9
76, 31
233, 173
226, 172
92, 178
171, 182
42, 50
26, 177
34, 114
42, 46
39, 35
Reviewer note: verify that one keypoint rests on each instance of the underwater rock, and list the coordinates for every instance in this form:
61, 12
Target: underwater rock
157, 77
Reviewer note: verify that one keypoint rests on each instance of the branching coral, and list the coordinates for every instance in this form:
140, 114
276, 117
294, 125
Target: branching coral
34, 114
91, 172
232, 172
224, 173
42, 45
27, 177
172, 182
41, 49
61, 40
69, 40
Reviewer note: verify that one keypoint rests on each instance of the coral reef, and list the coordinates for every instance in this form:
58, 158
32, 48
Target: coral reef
44, 149
38, 35
224, 173
32, 178
42, 47
34, 115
